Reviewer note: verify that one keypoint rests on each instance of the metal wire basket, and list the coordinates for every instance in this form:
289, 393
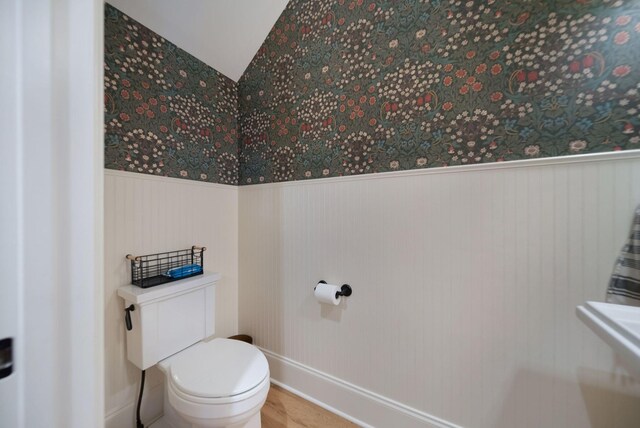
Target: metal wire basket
151, 270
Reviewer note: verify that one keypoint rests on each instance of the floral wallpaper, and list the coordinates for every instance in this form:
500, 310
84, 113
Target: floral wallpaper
166, 112
344, 87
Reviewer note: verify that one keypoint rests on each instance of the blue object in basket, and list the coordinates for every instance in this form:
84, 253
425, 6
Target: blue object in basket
182, 271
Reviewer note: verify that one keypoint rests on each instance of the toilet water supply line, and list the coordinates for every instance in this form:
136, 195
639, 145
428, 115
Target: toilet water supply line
139, 423
129, 324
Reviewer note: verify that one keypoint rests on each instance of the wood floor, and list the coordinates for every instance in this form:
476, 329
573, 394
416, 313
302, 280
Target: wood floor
283, 409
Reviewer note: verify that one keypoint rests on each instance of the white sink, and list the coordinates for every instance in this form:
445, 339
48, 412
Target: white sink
618, 325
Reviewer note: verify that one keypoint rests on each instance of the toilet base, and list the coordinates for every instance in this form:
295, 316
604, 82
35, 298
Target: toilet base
172, 419
254, 422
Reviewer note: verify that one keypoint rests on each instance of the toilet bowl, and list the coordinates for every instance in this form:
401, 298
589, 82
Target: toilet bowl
219, 383
222, 383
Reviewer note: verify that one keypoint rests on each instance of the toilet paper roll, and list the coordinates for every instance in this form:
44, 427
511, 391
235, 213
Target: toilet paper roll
326, 293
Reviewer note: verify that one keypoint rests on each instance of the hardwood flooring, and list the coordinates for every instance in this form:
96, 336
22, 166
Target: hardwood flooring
284, 409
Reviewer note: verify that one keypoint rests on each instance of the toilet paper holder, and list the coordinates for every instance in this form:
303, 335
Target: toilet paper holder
345, 290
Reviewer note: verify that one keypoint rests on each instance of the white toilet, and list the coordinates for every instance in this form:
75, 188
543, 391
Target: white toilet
216, 383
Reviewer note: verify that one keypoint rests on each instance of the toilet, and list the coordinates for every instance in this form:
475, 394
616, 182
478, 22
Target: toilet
220, 383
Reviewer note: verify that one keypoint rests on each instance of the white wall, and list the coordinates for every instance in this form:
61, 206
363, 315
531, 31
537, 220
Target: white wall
465, 285
146, 214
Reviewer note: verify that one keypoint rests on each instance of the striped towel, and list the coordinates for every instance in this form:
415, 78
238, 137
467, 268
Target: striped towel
624, 287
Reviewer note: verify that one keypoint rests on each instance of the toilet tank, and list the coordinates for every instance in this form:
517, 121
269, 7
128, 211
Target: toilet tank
168, 318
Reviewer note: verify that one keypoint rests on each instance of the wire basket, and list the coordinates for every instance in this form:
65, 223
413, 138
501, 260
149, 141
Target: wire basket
152, 269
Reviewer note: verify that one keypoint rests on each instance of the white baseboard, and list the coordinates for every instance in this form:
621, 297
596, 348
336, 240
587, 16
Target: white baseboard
356, 404
151, 410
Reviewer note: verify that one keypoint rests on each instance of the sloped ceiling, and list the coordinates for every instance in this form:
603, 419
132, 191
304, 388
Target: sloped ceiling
224, 34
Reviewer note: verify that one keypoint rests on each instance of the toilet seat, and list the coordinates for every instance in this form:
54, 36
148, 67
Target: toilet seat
223, 380
219, 369
216, 371
246, 396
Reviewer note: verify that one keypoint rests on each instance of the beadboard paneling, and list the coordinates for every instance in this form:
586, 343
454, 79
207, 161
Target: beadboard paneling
465, 287
146, 214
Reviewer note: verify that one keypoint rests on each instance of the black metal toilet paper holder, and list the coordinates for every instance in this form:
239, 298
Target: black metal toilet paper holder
345, 290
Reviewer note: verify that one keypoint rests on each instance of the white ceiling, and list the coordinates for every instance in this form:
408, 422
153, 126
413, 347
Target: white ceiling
224, 34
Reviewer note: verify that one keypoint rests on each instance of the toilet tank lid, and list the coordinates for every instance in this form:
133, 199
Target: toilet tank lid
140, 296
216, 369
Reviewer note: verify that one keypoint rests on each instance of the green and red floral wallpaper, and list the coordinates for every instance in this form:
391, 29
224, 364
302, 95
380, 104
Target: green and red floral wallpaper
166, 112
344, 87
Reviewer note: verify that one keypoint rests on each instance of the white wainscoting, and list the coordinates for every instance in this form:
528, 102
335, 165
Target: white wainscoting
146, 214
465, 283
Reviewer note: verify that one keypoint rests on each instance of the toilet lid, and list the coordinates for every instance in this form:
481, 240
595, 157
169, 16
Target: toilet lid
219, 368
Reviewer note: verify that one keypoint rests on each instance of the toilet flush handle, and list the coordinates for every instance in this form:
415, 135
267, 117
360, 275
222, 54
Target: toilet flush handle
127, 316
